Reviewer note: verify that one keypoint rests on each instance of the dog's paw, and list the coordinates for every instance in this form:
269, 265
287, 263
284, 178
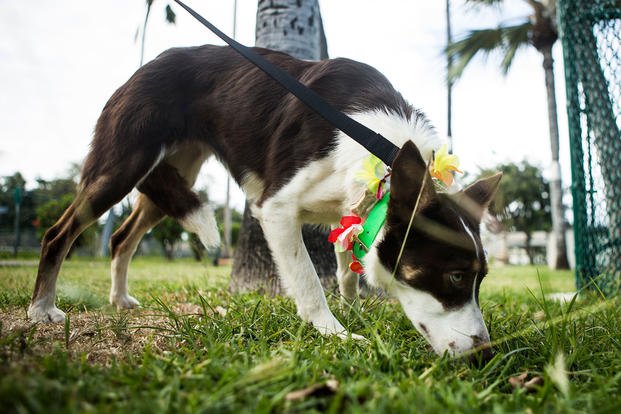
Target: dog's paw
355, 337
124, 301
329, 325
41, 314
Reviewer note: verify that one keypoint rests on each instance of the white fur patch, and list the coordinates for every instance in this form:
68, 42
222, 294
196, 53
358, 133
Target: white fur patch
393, 127
471, 234
349, 155
203, 223
374, 271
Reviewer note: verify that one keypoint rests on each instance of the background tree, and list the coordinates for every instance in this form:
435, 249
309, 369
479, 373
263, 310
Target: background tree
42, 205
539, 30
51, 198
522, 202
8, 184
295, 27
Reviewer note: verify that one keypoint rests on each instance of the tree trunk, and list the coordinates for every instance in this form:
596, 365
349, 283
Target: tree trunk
290, 26
556, 188
198, 250
253, 267
169, 250
503, 256
294, 27
529, 249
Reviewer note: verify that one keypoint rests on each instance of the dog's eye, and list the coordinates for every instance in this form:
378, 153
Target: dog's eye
456, 278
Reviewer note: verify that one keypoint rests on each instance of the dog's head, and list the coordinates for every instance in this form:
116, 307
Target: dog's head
439, 270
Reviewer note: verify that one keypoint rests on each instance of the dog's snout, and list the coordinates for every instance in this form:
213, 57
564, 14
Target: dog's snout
482, 352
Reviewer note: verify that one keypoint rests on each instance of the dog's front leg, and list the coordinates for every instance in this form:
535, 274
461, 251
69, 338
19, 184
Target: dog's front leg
347, 280
283, 233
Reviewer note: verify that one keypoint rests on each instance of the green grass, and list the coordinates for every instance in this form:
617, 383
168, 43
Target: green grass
193, 347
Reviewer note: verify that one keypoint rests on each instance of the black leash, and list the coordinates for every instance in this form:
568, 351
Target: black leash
371, 140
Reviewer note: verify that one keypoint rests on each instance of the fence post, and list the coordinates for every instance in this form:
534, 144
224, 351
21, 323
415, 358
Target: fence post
590, 32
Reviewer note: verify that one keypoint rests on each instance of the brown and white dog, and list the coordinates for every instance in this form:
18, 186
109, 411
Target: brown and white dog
188, 104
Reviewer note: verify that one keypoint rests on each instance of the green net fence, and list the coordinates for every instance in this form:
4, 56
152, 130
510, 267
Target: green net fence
591, 35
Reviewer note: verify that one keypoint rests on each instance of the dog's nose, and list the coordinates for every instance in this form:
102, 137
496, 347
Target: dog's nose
482, 356
483, 353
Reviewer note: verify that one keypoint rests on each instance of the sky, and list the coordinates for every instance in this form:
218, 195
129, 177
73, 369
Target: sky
61, 60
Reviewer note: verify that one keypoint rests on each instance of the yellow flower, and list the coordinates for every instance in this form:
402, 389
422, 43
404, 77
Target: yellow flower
443, 165
372, 173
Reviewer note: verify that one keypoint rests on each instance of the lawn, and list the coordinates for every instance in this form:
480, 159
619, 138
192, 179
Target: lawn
193, 347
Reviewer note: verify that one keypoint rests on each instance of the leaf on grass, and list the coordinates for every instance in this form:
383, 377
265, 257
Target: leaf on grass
266, 371
558, 373
322, 389
187, 309
532, 385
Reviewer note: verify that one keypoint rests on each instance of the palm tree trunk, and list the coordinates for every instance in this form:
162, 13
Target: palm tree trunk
290, 26
449, 81
295, 27
253, 267
144, 31
556, 188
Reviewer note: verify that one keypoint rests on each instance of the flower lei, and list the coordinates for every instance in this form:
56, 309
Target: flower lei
343, 238
376, 177
443, 167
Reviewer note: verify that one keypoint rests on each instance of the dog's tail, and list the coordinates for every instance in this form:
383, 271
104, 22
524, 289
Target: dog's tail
203, 223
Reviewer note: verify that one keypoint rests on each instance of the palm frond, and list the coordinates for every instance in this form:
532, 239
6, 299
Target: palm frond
478, 4
476, 41
515, 37
171, 17
485, 2
506, 40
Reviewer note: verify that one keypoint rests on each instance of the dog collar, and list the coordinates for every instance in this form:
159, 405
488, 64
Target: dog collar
371, 227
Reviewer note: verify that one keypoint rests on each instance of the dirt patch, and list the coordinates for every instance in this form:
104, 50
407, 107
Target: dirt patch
100, 337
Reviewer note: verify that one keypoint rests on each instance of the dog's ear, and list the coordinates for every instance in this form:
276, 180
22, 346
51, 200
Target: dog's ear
477, 197
408, 171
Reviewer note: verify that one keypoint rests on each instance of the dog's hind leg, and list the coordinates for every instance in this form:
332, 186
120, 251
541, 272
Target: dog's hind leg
54, 247
104, 183
123, 244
